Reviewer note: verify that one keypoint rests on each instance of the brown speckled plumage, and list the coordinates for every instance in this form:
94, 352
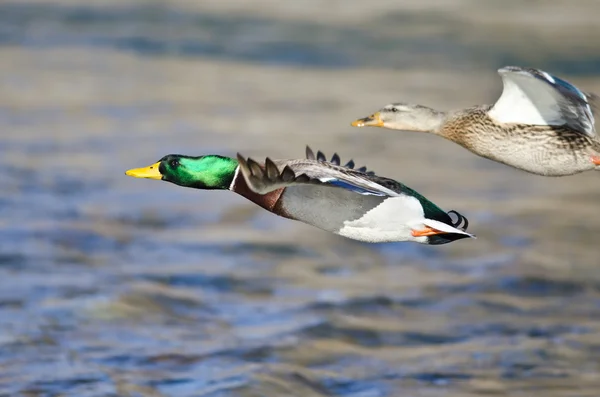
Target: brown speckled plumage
540, 124
539, 149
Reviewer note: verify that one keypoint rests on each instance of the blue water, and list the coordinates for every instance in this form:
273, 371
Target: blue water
165, 31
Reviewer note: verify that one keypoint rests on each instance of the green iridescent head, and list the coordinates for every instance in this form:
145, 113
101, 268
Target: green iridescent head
204, 172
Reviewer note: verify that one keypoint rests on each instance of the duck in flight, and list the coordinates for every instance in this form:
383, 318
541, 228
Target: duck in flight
348, 201
540, 124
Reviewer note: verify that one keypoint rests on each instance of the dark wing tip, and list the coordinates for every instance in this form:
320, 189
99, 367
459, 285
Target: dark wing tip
287, 175
242, 163
303, 178
335, 159
271, 169
255, 168
310, 155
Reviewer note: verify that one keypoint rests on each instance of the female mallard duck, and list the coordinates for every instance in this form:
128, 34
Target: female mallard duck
353, 203
540, 124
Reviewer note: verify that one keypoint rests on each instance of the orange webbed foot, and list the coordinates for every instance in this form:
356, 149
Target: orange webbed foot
427, 231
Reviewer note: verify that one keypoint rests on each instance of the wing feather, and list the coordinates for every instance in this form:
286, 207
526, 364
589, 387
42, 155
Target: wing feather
532, 96
276, 174
335, 160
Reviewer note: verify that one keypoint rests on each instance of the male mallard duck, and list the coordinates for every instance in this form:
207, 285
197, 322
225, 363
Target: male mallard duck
540, 124
353, 203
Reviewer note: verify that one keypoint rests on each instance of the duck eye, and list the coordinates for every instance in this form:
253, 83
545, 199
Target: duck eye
174, 163
395, 110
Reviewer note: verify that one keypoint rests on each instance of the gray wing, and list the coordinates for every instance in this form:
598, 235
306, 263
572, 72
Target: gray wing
335, 159
532, 96
594, 101
276, 174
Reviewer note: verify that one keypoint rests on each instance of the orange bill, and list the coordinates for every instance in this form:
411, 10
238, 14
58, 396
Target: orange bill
373, 120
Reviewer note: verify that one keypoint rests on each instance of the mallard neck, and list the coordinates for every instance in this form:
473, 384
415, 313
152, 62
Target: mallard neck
433, 123
211, 172
418, 118
441, 123
221, 174
228, 181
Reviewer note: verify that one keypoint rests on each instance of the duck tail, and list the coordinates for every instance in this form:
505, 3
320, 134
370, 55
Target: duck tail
444, 227
452, 230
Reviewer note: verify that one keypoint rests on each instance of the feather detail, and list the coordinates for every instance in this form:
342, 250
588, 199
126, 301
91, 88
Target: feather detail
310, 155
263, 181
284, 173
335, 159
534, 97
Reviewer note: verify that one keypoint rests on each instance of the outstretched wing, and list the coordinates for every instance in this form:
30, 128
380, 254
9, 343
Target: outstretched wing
335, 159
532, 96
276, 174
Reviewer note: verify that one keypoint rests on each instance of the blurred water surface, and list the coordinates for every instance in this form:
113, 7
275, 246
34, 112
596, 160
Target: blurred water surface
111, 286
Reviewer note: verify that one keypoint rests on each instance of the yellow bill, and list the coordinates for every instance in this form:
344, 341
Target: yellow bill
373, 120
150, 172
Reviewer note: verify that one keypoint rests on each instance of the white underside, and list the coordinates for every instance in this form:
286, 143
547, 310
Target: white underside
393, 220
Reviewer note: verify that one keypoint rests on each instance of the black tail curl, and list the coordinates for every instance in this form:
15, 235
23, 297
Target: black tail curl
461, 222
